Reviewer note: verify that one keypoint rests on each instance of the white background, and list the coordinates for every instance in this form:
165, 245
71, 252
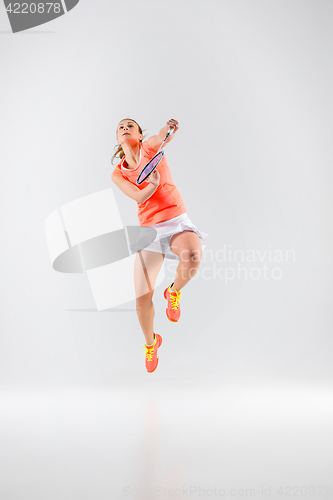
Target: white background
242, 397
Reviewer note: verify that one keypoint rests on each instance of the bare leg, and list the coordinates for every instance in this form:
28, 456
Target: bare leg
147, 267
146, 312
188, 247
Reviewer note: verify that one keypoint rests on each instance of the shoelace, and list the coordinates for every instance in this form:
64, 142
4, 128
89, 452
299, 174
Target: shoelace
149, 351
174, 297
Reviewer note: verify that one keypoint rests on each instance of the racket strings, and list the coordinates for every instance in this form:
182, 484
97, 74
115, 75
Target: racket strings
151, 165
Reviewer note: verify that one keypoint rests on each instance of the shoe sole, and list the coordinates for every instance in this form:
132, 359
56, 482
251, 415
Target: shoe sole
173, 320
154, 368
157, 360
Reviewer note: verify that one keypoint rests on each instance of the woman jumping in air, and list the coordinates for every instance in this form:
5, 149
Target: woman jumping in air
161, 207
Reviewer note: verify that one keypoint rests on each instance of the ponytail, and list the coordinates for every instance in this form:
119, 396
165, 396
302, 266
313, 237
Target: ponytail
119, 151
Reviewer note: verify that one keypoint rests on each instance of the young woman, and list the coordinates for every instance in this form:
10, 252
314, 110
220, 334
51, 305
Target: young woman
160, 206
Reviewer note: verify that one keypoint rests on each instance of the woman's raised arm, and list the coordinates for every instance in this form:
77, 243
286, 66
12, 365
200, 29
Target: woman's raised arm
156, 140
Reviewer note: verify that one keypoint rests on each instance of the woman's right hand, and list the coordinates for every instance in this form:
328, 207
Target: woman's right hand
154, 178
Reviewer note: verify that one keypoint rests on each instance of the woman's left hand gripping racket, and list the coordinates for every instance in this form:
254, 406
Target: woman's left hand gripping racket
152, 164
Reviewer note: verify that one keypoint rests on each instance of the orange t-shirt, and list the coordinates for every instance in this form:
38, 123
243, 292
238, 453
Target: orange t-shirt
166, 202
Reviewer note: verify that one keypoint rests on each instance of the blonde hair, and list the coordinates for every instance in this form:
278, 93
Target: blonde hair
119, 149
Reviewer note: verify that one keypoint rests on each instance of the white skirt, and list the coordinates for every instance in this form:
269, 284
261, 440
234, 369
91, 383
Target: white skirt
165, 231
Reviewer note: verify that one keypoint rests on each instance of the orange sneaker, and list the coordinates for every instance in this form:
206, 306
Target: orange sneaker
151, 353
173, 308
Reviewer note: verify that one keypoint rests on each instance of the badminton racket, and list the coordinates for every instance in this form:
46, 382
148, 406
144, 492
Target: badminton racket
152, 164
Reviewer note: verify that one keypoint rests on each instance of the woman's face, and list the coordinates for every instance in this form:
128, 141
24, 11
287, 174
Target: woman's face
128, 132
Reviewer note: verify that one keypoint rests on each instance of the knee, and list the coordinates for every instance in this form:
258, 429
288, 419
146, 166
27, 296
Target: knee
144, 300
196, 255
192, 255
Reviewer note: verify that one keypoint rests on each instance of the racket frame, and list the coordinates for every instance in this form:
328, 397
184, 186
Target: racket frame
159, 149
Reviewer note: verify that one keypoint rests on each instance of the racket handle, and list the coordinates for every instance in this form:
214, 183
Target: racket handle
169, 132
